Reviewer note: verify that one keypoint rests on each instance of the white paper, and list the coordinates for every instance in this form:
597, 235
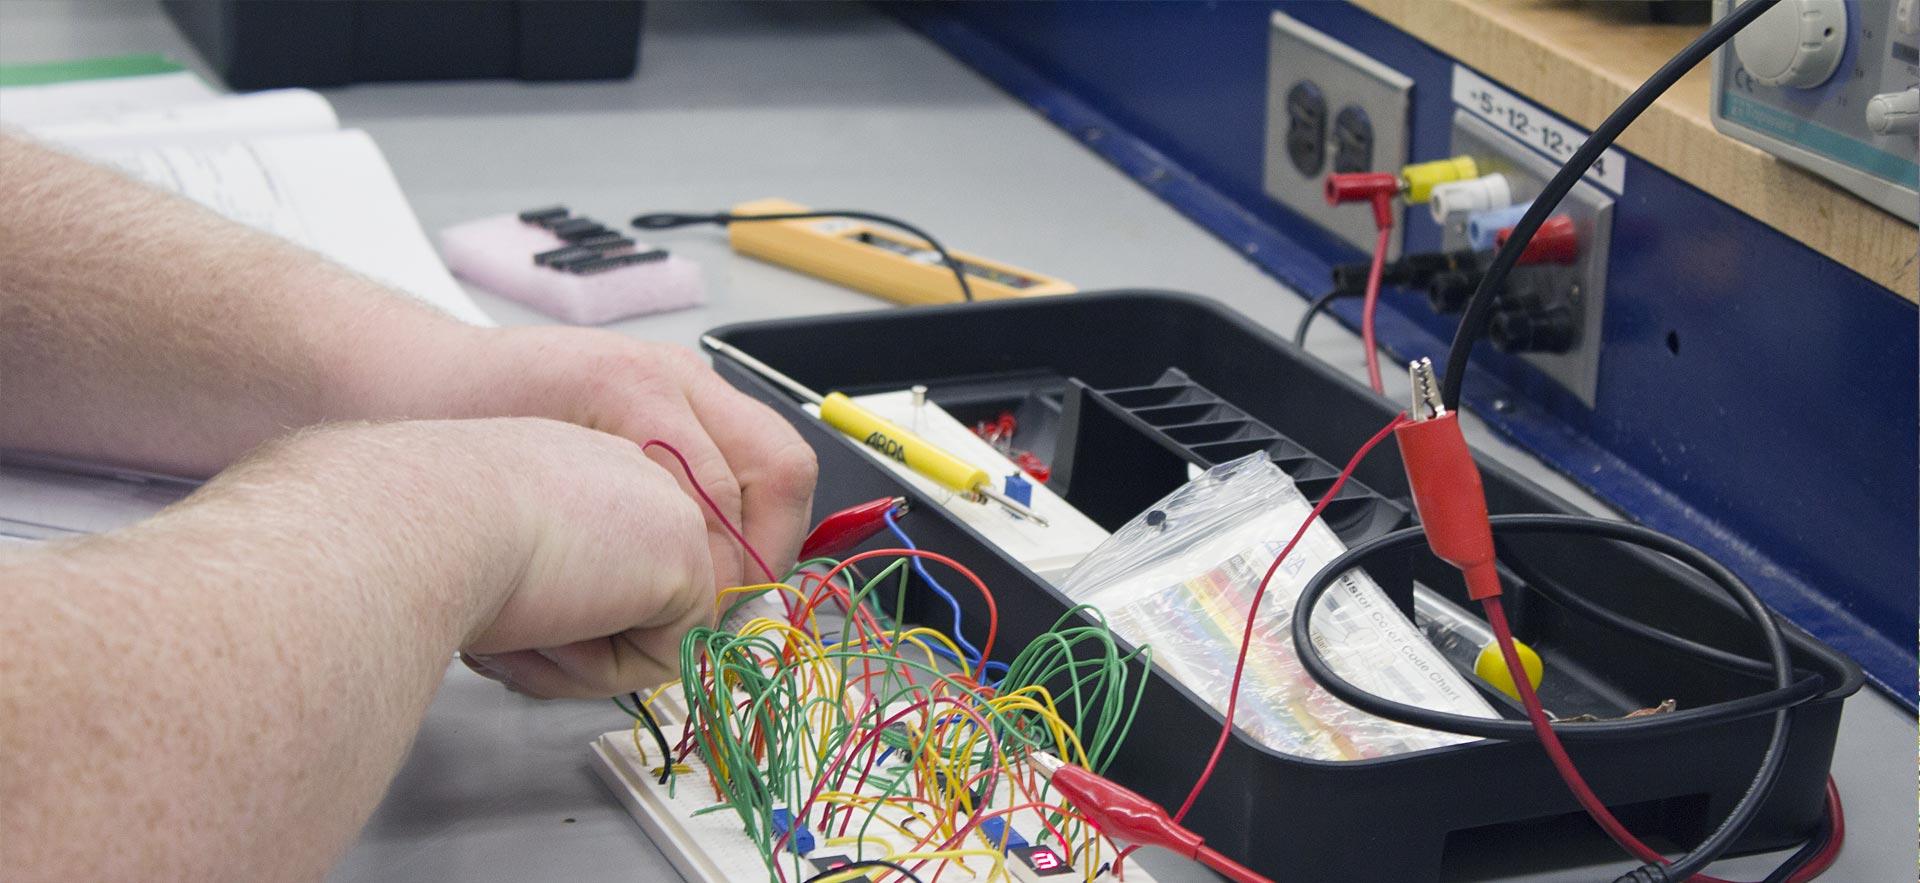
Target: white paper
329, 191
275, 161
207, 122
44, 499
50, 103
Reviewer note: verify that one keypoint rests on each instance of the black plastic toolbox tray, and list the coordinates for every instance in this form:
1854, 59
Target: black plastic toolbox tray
1165, 413
1403, 818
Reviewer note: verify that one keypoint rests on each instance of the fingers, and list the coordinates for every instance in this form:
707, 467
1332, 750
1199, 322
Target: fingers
775, 469
754, 465
626, 388
614, 546
587, 670
634, 660
679, 427
758, 471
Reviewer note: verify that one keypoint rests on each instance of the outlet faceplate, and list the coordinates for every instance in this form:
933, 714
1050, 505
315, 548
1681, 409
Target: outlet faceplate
1585, 282
1354, 90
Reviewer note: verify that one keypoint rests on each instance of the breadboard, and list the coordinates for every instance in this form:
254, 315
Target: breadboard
713, 848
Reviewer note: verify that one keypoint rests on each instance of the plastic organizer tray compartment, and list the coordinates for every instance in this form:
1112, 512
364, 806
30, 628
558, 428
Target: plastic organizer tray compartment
1406, 818
1032, 397
1204, 429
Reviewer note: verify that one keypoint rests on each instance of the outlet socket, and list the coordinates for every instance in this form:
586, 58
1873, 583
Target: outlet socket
1367, 104
1584, 282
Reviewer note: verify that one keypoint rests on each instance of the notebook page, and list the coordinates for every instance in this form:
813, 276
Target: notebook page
329, 191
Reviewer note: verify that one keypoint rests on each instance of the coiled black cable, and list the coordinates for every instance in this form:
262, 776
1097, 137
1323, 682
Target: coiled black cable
671, 220
1314, 309
1588, 610
1806, 853
1786, 693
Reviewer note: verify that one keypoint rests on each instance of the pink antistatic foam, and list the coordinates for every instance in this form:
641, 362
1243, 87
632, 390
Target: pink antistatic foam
497, 254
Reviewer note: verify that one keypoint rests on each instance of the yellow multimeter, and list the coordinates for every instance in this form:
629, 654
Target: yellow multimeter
875, 259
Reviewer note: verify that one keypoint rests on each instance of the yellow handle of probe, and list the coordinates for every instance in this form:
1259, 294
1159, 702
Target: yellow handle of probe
865, 427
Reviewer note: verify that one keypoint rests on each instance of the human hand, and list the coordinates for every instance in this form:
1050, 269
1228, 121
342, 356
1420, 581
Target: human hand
577, 563
754, 465
334, 571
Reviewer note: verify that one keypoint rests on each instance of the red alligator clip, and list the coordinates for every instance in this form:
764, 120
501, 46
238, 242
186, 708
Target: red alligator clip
838, 533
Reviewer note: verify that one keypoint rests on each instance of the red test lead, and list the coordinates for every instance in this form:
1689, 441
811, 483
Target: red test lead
1119, 813
1453, 513
1379, 189
1446, 485
839, 533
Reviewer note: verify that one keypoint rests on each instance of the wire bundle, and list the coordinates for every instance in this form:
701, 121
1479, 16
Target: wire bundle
856, 724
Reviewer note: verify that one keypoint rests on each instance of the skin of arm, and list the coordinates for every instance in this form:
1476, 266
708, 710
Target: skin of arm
139, 329
224, 691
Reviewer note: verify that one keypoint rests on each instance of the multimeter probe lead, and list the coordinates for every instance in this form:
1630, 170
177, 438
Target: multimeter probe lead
895, 442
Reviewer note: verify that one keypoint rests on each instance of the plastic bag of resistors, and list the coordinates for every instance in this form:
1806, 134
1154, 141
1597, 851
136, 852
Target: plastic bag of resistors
1180, 577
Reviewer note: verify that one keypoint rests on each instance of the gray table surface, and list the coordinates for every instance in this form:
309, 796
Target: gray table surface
828, 105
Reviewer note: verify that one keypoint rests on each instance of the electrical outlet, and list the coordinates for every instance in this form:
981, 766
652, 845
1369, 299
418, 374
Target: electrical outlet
1330, 108
1580, 287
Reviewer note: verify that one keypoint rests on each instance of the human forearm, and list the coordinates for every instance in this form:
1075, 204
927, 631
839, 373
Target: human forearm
223, 691
138, 328
241, 675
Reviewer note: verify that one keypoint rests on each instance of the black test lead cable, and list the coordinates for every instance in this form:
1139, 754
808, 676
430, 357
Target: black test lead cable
1479, 310
645, 715
1480, 306
672, 220
1786, 692
1314, 309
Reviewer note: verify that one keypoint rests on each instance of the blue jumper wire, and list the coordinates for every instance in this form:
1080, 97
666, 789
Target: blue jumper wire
920, 569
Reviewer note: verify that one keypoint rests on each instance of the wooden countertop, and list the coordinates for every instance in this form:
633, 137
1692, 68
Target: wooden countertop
1581, 59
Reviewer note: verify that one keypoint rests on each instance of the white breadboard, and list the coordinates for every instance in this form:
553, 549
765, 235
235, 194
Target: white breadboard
712, 848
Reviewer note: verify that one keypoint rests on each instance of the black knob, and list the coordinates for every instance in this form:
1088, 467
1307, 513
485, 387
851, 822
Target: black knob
1352, 278
1534, 331
1449, 290
1417, 270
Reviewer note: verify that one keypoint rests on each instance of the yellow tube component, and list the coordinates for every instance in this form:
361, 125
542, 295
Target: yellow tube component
1422, 177
898, 444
